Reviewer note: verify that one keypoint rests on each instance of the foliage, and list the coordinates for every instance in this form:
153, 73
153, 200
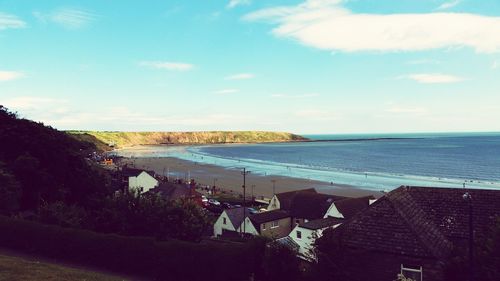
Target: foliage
281, 263
10, 192
335, 260
144, 257
48, 165
486, 258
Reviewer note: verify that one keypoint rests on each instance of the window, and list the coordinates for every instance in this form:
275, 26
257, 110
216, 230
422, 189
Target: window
299, 235
275, 224
263, 226
223, 220
412, 273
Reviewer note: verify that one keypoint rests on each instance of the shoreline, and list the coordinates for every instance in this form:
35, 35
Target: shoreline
231, 180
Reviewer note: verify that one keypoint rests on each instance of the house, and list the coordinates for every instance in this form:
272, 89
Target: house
273, 224
139, 180
414, 231
173, 191
303, 205
229, 222
305, 234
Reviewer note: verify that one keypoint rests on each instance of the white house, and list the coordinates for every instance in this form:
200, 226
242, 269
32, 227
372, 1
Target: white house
305, 234
229, 222
140, 180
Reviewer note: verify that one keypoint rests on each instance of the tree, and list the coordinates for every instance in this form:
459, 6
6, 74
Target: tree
281, 263
10, 192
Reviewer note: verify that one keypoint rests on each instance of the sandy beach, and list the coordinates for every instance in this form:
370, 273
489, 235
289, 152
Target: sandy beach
232, 179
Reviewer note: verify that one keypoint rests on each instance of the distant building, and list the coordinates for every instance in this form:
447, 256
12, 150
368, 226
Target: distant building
273, 224
139, 179
228, 223
174, 191
413, 231
305, 233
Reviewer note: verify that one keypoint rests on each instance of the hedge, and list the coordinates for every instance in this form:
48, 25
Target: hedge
137, 256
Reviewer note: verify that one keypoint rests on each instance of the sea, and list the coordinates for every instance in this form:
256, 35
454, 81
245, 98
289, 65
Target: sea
369, 161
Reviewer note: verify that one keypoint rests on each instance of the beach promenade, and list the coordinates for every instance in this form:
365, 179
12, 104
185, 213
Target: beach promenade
232, 180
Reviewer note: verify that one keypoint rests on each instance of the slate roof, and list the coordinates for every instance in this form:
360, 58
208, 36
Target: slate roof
350, 206
133, 172
287, 241
263, 217
311, 205
286, 198
321, 223
419, 221
236, 216
172, 191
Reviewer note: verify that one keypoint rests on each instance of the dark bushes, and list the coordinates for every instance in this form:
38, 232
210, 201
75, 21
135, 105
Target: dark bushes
168, 260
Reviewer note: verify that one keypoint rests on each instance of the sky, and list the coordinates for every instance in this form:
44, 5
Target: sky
303, 66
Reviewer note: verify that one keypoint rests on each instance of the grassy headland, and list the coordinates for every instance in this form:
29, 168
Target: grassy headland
128, 139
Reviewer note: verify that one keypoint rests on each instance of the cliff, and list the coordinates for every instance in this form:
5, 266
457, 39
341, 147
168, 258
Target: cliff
128, 139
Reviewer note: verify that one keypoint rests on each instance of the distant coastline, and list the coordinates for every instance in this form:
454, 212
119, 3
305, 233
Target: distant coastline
110, 140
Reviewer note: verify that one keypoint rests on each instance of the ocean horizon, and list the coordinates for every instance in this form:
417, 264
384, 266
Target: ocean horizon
368, 161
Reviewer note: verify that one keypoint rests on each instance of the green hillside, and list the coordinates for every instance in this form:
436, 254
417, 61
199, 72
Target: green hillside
128, 139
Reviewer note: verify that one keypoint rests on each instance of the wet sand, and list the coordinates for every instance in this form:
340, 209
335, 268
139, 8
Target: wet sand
232, 179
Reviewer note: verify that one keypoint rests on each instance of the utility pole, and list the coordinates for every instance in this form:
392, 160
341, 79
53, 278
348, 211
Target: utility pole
244, 173
274, 187
215, 179
467, 196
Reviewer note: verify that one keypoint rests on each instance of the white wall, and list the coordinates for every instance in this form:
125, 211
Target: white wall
219, 224
144, 181
274, 204
306, 242
333, 212
249, 228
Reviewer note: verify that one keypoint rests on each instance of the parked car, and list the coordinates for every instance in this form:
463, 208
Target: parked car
204, 200
213, 202
226, 205
252, 211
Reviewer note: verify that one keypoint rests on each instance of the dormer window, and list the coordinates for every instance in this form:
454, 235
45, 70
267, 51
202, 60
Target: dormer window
224, 221
299, 235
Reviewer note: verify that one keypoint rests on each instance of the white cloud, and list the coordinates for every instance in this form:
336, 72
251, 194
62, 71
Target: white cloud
234, 3
304, 96
68, 17
407, 110
325, 24
10, 75
424, 61
448, 5
31, 103
432, 78
226, 91
10, 21
174, 66
240, 76
316, 114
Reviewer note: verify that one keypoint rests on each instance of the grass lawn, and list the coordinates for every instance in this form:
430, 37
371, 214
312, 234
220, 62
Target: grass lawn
15, 268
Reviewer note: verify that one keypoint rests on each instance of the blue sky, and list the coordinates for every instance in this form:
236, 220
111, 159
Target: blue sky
306, 66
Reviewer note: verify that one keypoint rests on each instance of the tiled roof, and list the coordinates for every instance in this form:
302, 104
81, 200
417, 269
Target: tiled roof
287, 241
131, 172
172, 191
419, 221
236, 215
350, 206
321, 223
311, 205
263, 217
286, 198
